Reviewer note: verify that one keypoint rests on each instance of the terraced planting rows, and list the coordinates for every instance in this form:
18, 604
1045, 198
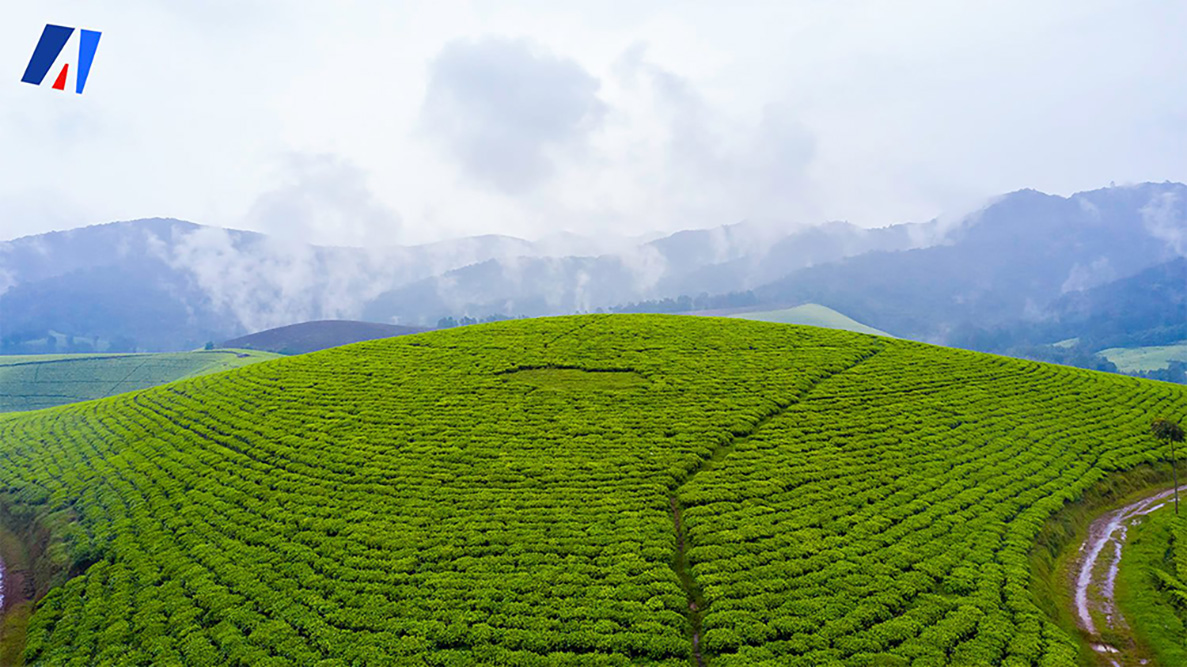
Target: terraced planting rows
30, 382
509, 493
894, 508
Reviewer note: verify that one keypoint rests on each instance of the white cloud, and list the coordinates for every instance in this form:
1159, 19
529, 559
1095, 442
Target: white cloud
325, 200
862, 110
1166, 219
503, 107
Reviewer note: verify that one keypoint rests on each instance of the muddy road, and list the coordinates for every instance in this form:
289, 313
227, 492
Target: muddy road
1094, 579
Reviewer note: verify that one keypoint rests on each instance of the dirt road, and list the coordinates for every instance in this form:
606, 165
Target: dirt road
1095, 578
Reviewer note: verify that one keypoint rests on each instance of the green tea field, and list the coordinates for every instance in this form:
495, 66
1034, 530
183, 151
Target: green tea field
592, 490
29, 382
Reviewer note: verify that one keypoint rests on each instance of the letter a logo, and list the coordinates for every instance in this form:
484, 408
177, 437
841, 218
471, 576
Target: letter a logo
49, 47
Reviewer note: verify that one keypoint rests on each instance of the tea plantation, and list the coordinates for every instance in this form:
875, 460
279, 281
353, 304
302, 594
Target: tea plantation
30, 382
595, 490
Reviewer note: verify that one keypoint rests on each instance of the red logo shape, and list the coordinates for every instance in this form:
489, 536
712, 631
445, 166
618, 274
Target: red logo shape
60, 84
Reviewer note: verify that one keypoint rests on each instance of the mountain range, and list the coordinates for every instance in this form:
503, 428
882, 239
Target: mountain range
1026, 267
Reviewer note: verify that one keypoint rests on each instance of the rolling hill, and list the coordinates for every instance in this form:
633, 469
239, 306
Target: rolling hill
29, 382
312, 336
595, 490
813, 315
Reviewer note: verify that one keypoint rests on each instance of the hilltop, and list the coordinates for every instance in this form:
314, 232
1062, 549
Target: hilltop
812, 315
596, 490
312, 336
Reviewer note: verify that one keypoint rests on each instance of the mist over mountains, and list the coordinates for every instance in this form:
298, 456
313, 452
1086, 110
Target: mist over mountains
1019, 265
1010, 262
162, 284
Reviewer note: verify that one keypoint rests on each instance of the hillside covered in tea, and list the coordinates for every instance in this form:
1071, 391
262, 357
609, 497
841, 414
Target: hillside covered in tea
31, 382
595, 490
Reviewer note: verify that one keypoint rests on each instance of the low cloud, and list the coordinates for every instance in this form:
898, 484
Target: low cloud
720, 167
264, 281
1165, 219
1082, 277
324, 199
505, 109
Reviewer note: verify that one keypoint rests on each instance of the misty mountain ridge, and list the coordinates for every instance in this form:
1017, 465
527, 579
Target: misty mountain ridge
1008, 262
166, 284
170, 284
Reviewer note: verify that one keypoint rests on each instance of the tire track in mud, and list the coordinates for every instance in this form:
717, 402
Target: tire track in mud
697, 603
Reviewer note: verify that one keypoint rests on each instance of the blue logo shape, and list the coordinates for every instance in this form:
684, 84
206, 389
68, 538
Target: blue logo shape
53, 40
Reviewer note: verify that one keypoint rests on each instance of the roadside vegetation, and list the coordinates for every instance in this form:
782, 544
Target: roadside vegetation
1152, 585
596, 490
1152, 578
1066, 538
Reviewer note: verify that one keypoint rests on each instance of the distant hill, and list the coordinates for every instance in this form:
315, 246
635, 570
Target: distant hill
320, 335
1142, 310
1148, 308
811, 314
161, 285
711, 261
42, 381
1010, 262
1134, 325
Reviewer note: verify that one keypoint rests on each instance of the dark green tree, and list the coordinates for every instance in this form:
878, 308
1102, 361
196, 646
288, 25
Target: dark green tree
1169, 430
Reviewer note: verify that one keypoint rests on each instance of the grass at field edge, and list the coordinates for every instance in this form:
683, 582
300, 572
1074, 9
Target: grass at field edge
1148, 610
1057, 545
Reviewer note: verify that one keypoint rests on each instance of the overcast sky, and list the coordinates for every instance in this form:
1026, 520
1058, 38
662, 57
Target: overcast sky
382, 122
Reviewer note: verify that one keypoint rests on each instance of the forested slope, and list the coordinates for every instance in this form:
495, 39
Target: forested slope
584, 490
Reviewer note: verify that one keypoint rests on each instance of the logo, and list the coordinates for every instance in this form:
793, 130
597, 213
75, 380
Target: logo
49, 47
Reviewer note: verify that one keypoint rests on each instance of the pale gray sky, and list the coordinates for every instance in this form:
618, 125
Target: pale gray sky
378, 122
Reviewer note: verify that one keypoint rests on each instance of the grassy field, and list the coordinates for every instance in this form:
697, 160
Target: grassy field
813, 315
595, 490
30, 382
1136, 359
